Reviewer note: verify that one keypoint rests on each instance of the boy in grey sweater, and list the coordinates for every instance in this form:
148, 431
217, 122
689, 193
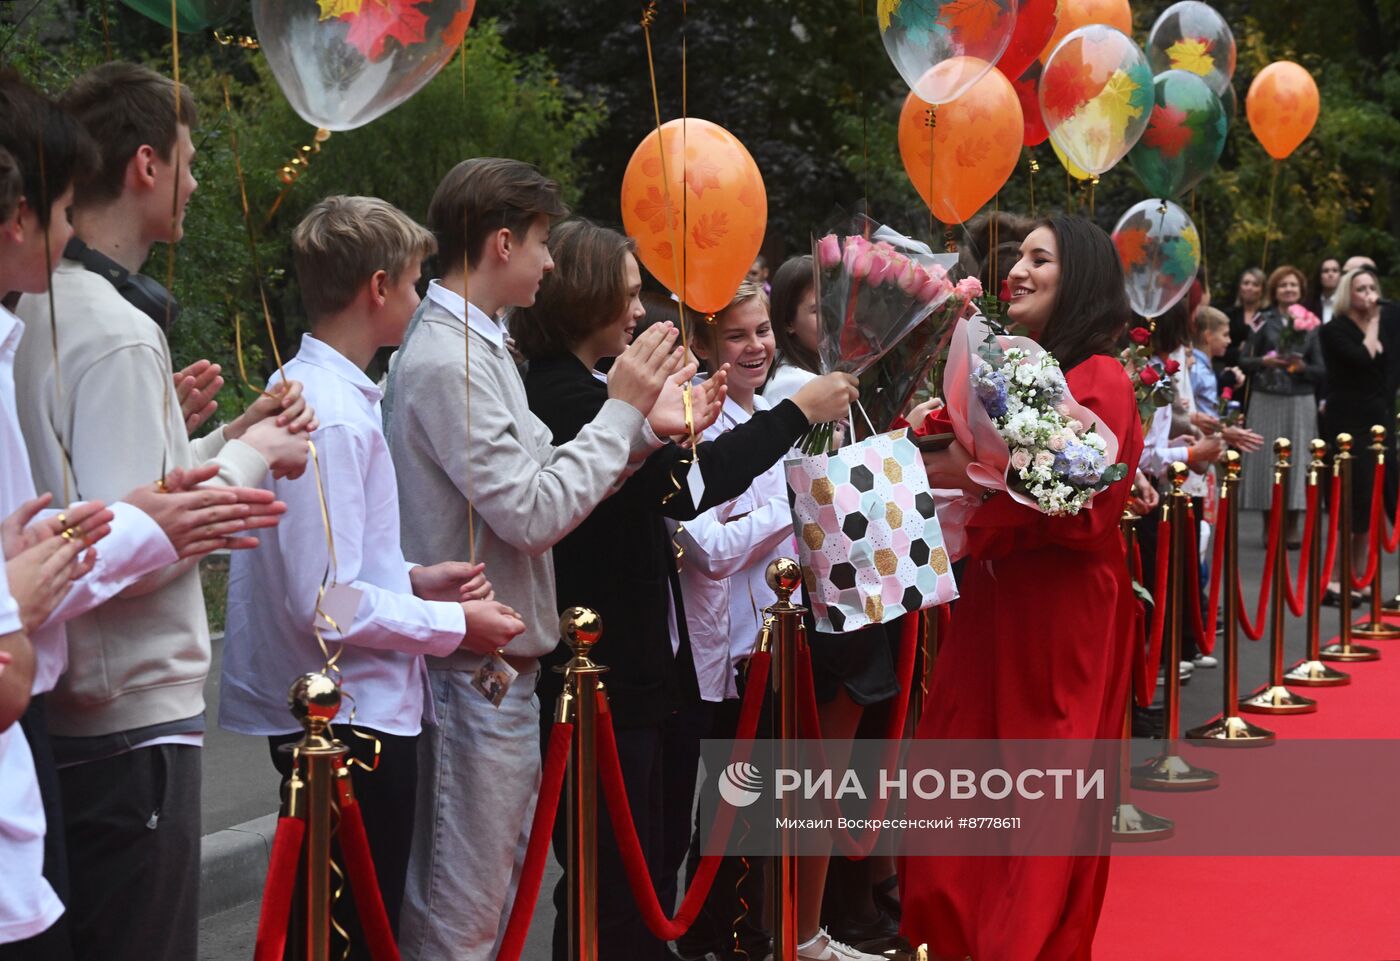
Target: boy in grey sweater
480, 479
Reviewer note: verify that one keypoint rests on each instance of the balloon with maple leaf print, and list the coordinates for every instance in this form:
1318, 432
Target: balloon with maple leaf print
1096, 96
342, 63
1071, 168
1191, 36
1073, 14
191, 14
922, 34
1184, 138
698, 217
1027, 89
962, 158
1160, 251
1035, 25
1282, 106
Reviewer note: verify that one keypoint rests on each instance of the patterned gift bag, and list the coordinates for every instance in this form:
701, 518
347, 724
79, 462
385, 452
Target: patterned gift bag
869, 541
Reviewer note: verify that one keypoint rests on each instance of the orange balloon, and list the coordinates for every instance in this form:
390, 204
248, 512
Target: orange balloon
1080, 13
1282, 107
716, 201
964, 158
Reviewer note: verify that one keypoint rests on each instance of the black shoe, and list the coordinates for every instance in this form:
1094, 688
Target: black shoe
882, 927
885, 894
1148, 721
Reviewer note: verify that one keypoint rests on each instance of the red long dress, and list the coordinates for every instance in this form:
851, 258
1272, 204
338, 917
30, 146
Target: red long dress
1040, 647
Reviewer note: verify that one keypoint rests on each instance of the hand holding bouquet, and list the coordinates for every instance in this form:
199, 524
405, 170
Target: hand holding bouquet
1153, 382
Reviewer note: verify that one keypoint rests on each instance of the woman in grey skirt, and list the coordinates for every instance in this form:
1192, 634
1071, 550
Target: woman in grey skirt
1283, 378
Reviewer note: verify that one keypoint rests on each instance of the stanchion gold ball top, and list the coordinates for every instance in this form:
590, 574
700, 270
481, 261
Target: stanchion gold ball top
1177, 473
1344, 442
314, 697
581, 627
1318, 447
1233, 463
1283, 448
784, 576
1377, 435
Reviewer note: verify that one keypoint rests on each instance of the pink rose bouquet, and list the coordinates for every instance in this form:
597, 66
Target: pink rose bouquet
1298, 322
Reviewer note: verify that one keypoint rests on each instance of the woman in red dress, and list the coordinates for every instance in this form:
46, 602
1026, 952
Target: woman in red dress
1040, 644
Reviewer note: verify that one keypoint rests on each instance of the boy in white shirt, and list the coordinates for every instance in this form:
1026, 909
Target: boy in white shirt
357, 261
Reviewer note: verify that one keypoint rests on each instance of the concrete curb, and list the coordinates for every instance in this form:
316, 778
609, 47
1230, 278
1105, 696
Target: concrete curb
233, 865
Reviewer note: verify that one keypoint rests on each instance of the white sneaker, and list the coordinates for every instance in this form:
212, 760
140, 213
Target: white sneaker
1204, 660
823, 947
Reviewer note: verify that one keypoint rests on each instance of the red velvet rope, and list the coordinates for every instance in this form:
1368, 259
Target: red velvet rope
1205, 633
276, 907
527, 892
1374, 541
809, 725
1254, 631
625, 832
1392, 540
1295, 596
1147, 668
364, 884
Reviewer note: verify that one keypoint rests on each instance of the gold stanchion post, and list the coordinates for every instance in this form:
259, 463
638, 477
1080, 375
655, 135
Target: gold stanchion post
1343, 649
1377, 628
1169, 771
1311, 672
1229, 729
1273, 697
314, 700
581, 628
1131, 823
784, 577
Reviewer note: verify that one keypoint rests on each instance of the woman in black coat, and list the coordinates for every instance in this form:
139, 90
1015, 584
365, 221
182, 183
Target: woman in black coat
1362, 350
619, 560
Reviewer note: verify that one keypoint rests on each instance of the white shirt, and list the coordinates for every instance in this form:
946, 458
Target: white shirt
787, 380
727, 552
476, 318
272, 599
135, 547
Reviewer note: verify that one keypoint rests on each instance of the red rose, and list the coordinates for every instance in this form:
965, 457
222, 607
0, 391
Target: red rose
1140, 335
1149, 376
1005, 295
1226, 393
1171, 366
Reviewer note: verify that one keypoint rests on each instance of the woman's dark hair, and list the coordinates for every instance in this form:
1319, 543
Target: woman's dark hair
975, 251
1174, 328
790, 284
1091, 306
583, 293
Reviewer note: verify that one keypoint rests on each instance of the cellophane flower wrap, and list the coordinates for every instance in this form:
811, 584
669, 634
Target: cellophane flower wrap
1013, 412
1298, 322
874, 286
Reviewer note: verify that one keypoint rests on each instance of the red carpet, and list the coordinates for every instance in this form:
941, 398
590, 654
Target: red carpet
1279, 908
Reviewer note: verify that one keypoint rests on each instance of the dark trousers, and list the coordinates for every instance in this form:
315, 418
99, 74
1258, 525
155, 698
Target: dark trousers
622, 934
54, 944
386, 799
722, 916
133, 834
685, 729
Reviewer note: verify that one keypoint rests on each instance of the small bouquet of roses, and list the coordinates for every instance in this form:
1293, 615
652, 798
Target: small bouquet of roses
1298, 322
1152, 378
874, 286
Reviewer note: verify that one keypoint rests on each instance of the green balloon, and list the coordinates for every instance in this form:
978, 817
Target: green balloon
1184, 137
192, 14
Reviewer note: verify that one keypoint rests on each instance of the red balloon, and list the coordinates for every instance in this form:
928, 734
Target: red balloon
1025, 87
1035, 23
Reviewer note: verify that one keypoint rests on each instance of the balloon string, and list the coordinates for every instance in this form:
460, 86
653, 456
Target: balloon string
1269, 215
467, 353
864, 131
1032, 168
106, 34
53, 319
931, 121
174, 222
1092, 185
1201, 231
648, 18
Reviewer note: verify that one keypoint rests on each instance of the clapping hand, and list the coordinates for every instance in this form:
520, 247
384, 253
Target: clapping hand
451, 581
